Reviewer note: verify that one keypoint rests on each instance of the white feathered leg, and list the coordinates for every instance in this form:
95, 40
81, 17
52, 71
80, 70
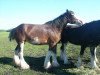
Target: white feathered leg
93, 57
23, 64
16, 57
47, 63
63, 55
79, 62
54, 60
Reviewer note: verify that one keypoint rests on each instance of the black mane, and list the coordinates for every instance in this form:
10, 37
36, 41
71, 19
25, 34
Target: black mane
62, 20
56, 20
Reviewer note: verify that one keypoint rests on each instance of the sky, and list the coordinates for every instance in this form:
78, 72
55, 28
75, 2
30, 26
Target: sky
15, 12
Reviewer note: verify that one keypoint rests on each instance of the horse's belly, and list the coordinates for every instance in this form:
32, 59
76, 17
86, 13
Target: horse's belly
38, 41
89, 41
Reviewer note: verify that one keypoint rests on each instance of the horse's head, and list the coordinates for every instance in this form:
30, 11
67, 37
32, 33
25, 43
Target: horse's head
72, 19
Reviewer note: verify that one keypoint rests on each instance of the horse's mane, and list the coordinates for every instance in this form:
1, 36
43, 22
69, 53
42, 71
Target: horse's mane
56, 21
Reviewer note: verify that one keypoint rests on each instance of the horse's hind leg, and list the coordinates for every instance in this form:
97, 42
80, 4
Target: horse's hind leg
63, 55
79, 62
16, 55
93, 57
23, 64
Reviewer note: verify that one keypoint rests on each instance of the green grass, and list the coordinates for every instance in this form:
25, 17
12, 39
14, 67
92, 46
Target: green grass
35, 54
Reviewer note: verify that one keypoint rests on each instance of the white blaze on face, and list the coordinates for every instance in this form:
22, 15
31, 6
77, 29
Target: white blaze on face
69, 24
77, 24
73, 25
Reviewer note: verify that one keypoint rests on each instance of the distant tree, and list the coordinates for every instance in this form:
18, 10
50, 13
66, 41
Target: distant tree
8, 30
2, 30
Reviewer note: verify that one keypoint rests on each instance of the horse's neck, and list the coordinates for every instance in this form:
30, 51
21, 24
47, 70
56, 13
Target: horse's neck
58, 23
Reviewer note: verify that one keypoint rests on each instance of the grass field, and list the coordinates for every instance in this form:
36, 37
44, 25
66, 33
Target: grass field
34, 55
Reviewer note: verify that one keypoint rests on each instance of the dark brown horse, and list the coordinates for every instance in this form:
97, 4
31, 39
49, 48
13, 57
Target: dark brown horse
87, 35
48, 33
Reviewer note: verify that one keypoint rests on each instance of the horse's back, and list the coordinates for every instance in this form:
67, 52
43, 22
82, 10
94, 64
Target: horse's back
88, 33
37, 34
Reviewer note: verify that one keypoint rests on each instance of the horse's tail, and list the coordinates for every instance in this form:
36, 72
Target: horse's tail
12, 34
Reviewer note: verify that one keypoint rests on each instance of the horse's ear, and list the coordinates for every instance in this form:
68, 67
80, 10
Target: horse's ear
67, 10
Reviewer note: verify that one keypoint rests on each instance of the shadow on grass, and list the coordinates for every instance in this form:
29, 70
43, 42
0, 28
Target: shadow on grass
36, 64
6, 60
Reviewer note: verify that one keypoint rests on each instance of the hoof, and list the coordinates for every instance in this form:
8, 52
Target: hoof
97, 69
55, 64
66, 63
17, 63
96, 60
94, 67
79, 65
25, 66
16, 60
47, 66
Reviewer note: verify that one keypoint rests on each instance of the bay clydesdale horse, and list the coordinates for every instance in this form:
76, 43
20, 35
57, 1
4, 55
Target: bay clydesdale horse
48, 33
87, 35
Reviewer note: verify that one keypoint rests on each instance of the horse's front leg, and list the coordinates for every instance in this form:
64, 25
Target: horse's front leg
47, 63
96, 56
93, 57
63, 55
23, 64
54, 57
51, 52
